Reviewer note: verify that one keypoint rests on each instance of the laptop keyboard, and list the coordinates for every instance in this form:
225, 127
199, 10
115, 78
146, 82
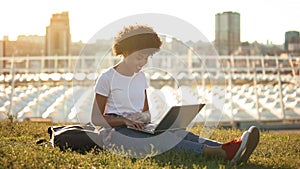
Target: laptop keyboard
150, 126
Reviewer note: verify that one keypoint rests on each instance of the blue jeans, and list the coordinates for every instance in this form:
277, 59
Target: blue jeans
143, 144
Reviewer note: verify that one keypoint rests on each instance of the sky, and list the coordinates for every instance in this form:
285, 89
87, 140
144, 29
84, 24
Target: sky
261, 20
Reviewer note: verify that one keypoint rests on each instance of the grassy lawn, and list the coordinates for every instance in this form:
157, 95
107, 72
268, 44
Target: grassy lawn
18, 150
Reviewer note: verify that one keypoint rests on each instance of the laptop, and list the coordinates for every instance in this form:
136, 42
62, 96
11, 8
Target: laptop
177, 117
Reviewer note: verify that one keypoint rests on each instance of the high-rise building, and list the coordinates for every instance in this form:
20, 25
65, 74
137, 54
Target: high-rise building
292, 41
227, 32
2, 47
58, 37
3, 53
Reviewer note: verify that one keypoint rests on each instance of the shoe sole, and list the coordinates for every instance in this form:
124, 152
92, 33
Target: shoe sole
252, 143
237, 156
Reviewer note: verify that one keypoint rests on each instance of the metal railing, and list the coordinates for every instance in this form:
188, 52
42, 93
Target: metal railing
230, 69
216, 64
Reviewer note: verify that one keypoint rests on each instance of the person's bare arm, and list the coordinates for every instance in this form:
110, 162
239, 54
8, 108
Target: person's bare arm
146, 106
145, 110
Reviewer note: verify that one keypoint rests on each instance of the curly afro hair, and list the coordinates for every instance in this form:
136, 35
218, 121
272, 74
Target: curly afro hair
135, 38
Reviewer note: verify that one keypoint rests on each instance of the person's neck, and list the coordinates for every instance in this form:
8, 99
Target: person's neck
123, 69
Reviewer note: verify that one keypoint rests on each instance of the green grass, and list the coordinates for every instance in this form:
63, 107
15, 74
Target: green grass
18, 150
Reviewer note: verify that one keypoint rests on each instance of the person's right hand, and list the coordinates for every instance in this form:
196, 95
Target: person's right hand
144, 117
134, 124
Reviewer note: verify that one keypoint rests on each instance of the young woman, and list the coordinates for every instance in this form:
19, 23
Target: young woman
121, 101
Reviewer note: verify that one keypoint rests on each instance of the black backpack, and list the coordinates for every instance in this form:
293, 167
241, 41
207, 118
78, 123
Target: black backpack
80, 138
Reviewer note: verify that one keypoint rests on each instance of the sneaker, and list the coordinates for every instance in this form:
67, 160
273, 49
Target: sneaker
252, 142
235, 148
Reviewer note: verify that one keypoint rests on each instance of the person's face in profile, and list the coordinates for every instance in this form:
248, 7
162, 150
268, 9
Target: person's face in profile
136, 61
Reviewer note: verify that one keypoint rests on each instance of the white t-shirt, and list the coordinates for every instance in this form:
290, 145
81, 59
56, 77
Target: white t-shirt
125, 94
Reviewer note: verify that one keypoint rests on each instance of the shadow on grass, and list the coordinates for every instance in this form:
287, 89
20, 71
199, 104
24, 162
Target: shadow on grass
185, 159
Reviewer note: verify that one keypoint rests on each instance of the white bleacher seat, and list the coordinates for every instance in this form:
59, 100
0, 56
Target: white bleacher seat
2, 78
82, 108
297, 107
238, 97
215, 115
30, 77
290, 113
8, 78
44, 76
276, 109
218, 102
157, 76
3, 112
267, 114
268, 102
196, 75
92, 76
208, 95
298, 90
36, 77
290, 101
157, 103
241, 114
171, 95
79, 76
246, 88
68, 76
167, 76
189, 95
218, 90
22, 77
181, 75
55, 76
234, 89
227, 105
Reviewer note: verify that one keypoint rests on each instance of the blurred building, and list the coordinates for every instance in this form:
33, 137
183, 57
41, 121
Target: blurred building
227, 32
58, 37
32, 39
292, 42
173, 45
31, 45
2, 48
5, 45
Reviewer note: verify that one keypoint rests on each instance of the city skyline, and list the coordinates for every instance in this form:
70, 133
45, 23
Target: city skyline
260, 21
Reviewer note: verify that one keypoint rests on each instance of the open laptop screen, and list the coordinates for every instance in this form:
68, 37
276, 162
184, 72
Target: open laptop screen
179, 117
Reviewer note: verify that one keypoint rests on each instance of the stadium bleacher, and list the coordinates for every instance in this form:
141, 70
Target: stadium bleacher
231, 93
